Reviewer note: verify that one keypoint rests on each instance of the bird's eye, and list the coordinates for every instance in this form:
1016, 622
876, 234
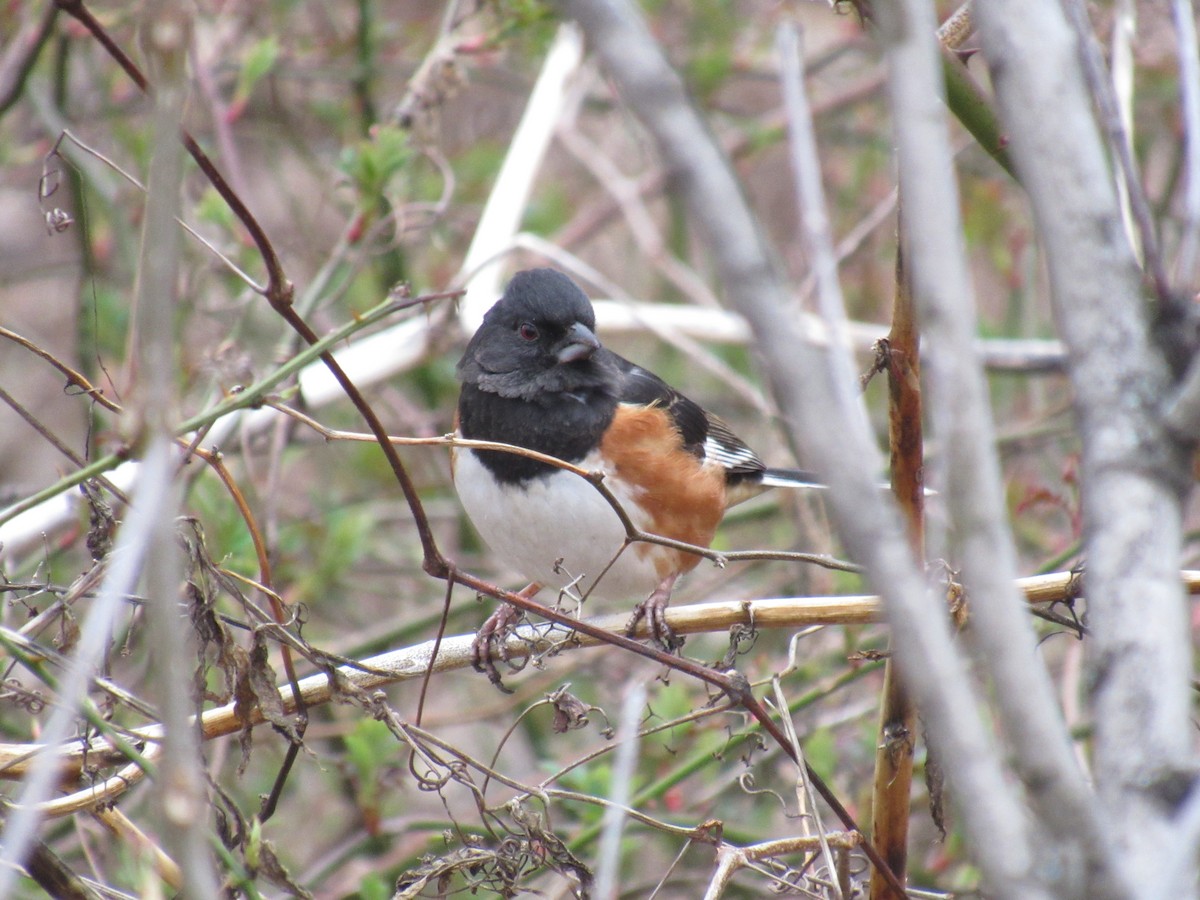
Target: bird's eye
528, 331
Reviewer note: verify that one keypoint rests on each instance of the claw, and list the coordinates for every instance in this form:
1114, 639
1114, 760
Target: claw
491, 640
654, 610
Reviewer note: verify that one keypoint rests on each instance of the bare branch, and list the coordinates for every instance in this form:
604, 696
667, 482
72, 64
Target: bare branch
1187, 263
21, 52
120, 580
961, 412
1133, 471
181, 787
1100, 85
799, 374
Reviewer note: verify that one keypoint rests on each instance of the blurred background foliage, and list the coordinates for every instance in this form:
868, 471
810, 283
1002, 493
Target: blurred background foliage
309, 109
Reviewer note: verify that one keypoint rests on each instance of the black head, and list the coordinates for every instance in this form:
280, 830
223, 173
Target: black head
538, 339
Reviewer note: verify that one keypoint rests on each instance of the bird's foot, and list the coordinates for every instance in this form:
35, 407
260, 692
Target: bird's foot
491, 640
491, 643
654, 610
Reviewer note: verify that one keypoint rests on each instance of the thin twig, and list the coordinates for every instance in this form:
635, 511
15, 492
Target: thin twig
1104, 95
1187, 262
624, 773
596, 479
21, 53
20, 537
208, 245
807, 798
814, 214
73, 377
54, 441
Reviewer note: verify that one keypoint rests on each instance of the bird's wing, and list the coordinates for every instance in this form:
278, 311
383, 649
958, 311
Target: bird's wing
703, 434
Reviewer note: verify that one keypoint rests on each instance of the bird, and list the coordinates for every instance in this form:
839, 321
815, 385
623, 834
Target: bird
534, 375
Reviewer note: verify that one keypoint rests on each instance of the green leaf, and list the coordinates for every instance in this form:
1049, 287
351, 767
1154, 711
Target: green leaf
260, 59
368, 745
212, 208
374, 887
373, 163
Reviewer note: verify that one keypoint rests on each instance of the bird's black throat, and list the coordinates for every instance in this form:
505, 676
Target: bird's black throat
560, 424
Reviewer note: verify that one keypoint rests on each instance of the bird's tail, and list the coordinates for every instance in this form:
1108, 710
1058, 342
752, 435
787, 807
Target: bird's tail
798, 478
790, 478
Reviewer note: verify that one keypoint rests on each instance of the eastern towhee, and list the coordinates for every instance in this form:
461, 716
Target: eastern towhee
536, 376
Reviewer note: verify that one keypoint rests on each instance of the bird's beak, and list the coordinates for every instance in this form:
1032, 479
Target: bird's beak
580, 343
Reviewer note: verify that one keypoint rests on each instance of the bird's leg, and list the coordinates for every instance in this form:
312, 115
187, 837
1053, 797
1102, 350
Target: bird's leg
654, 610
492, 636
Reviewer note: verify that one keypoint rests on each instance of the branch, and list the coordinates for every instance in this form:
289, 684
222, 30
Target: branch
24, 524
180, 785
981, 541
417, 662
815, 413
456, 653
20, 54
1120, 144
1134, 473
596, 479
1187, 263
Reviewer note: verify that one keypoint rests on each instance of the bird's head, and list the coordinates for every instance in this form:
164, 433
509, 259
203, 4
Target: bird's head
538, 339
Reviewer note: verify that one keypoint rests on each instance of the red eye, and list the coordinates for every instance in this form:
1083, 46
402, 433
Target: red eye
528, 331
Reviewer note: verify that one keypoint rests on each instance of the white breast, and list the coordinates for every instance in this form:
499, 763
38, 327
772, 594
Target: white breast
557, 516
